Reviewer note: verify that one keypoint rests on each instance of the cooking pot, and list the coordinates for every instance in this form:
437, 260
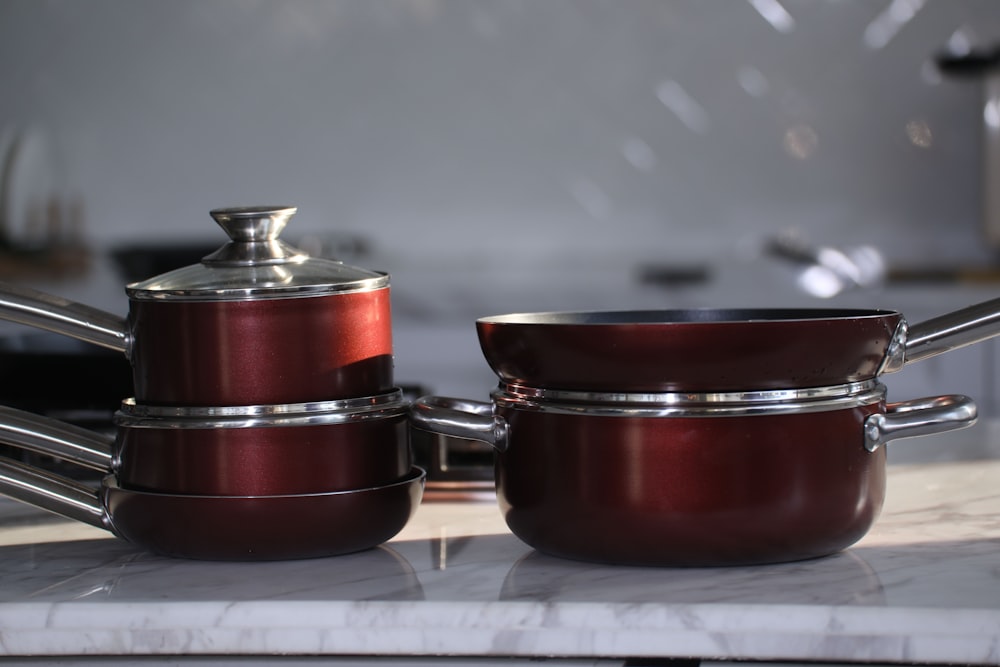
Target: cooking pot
256, 322
234, 451
214, 527
714, 350
689, 479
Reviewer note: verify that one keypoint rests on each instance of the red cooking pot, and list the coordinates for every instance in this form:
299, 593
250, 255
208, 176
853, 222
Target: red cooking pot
689, 479
226, 527
714, 350
259, 450
256, 322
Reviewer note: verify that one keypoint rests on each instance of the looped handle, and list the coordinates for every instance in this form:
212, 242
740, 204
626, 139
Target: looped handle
460, 418
922, 416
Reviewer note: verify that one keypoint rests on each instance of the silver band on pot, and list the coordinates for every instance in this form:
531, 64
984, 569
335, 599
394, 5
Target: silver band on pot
271, 285
681, 404
388, 404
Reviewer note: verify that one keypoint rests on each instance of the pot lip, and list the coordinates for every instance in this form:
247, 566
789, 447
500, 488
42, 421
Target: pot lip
686, 317
266, 290
386, 405
692, 404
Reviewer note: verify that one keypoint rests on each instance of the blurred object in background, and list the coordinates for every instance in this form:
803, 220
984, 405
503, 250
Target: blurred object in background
41, 227
825, 271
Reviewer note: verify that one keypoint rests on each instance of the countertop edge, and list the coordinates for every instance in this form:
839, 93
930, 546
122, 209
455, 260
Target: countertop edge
566, 629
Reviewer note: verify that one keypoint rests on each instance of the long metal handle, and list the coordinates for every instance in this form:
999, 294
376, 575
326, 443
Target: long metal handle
55, 438
460, 418
973, 324
922, 416
53, 493
52, 313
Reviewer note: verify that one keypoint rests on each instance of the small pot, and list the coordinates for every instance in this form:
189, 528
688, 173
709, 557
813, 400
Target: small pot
691, 479
712, 350
234, 451
256, 322
236, 528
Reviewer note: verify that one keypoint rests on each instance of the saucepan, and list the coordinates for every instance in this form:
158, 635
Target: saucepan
689, 479
234, 451
212, 527
256, 322
707, 437
713, 350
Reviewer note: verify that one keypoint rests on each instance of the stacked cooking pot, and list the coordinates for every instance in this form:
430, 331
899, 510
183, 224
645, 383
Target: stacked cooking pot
700, 438
265, 422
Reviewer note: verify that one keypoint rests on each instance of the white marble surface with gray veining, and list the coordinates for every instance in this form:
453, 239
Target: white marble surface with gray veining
922, 586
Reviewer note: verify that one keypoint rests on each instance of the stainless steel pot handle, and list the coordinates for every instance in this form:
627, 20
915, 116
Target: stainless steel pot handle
914, 342
51, 437
76, 320
953, 330
63, 441
460, 418
922, 416
60, 495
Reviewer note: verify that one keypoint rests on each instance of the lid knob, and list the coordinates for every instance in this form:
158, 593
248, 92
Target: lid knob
253, 223
254, 232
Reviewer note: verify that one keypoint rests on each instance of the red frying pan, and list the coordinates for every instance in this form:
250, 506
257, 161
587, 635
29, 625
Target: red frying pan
226, 527
718, 350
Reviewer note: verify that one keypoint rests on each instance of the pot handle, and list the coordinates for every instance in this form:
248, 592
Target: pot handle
54, 493
63, 441
922, 416
51, 437
460, 418
52, 313
914, 342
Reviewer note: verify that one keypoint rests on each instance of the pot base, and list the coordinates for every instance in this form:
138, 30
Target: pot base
254, 528
693, 492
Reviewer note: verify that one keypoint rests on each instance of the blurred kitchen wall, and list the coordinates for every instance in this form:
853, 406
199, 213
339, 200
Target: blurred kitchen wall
511, 154
449, 127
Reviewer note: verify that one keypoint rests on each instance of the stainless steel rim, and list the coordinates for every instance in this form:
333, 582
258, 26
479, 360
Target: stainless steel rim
379, 406
680, 404
271, 291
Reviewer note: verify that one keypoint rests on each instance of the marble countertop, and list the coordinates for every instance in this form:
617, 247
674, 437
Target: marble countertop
922, 586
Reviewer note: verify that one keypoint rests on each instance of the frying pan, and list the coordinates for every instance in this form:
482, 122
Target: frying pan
686, 479
713, 350
256, 322
243, 451
208, 527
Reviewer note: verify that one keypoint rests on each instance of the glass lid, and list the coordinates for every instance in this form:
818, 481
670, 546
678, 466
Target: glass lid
255, 264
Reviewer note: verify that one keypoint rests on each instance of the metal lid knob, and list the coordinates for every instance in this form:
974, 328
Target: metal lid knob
254, 232
255, 264
249, 224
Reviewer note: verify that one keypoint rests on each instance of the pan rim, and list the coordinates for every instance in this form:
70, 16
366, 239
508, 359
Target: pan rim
680, 316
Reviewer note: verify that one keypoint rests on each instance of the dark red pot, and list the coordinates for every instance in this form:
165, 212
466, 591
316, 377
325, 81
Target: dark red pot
327, 448
256, 322
237, 451
267, 351
664, 482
